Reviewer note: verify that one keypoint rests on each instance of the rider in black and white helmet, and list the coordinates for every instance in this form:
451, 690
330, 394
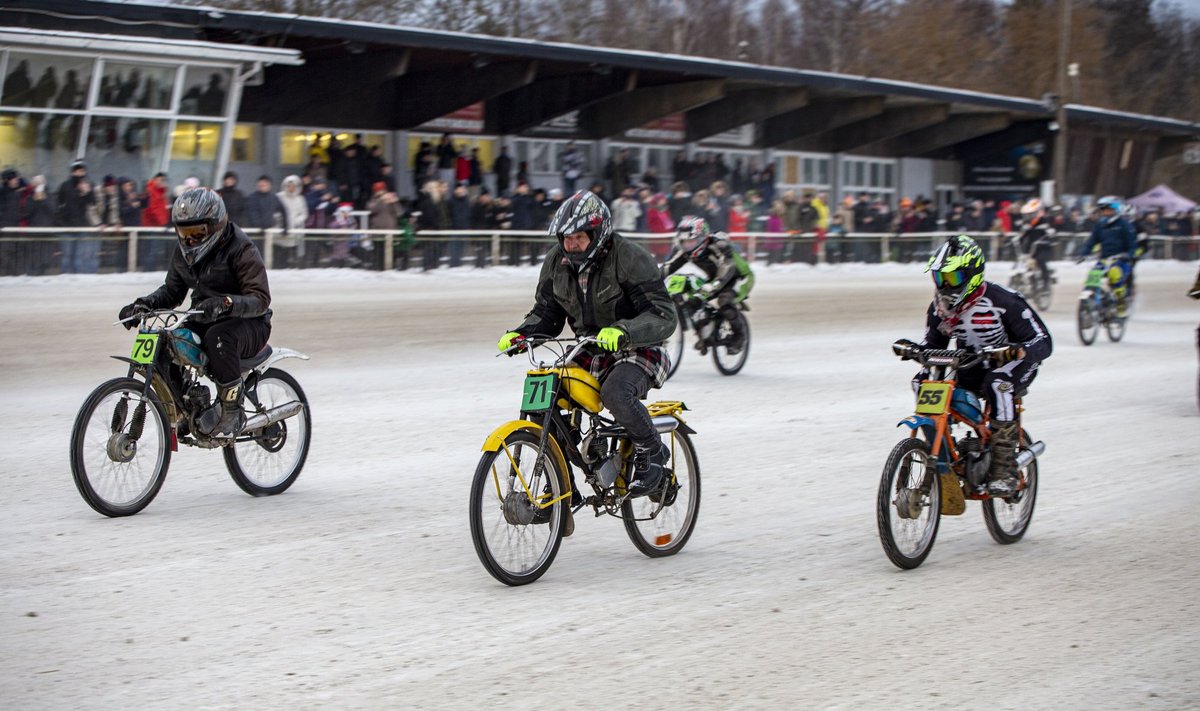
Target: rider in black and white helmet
227, 279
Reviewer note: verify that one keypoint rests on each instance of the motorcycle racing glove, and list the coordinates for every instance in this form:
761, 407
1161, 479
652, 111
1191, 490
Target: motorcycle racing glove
129, 311
510, 339
612, 339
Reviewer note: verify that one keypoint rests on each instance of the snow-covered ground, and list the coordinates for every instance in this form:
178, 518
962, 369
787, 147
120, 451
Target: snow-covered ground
359, 588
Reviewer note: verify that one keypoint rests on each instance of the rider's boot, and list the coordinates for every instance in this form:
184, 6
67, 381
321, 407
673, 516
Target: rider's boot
1002, 476
648, 462
224, 418
737, 339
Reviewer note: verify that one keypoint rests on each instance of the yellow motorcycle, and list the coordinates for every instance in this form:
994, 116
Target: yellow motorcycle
524, 494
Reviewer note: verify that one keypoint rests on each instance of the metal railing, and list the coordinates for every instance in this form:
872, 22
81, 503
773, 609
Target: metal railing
53, 250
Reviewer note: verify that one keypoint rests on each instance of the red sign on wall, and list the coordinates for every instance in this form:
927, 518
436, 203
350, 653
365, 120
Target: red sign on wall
668, 129
468, 119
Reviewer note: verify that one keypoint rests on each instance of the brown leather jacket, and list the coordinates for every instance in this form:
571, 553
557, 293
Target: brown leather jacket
234, 269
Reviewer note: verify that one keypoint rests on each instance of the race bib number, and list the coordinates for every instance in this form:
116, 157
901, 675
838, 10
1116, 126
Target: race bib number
539, 393
144, 347
1093, 278
932, 398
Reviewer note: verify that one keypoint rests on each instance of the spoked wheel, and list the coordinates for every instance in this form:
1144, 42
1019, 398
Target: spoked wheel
1017, 283
267, 461
1087, 321
675, 343
672, 526
120, 448
1043, 293
515, 537
909, 506
1008, 519
729, 363
1115, 326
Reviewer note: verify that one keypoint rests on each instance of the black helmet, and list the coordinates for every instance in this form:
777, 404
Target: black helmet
583, 212
200, 219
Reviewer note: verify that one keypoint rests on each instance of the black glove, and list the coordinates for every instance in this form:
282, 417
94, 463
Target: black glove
129, 311
1007, 354
213, 307
904, 348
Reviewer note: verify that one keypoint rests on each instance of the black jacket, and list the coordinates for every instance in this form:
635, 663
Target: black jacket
234, 269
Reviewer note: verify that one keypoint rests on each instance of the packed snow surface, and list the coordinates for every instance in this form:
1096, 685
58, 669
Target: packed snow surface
359, 587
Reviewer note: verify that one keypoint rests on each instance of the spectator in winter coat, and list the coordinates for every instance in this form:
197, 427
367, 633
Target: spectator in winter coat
37, 210
460, 219
235, 202
79, 254
263, 210
502, 167
626, 210
289, 247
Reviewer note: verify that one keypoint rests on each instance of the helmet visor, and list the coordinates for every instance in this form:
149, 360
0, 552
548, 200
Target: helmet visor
949, 280
193, 235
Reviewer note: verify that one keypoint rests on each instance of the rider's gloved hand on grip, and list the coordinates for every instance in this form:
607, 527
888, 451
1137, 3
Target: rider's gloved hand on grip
612, 339
510, 339
213, 307
904, 348
128, 311
1007, 355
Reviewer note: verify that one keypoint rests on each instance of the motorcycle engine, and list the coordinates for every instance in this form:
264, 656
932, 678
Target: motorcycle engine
975, 461
198, 397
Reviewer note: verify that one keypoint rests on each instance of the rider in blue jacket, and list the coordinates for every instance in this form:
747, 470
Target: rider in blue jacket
1116, 238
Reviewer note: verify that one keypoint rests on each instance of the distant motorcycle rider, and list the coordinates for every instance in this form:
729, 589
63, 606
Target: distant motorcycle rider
608, 287
730, 278
228, 281
1035, 239
1116, 238
982, 314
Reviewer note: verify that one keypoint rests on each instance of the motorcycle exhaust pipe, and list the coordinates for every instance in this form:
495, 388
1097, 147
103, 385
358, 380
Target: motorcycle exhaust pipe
664, 423
1030, 453
275, 414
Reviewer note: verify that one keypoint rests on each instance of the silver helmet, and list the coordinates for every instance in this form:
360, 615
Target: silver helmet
583, 212
200, 220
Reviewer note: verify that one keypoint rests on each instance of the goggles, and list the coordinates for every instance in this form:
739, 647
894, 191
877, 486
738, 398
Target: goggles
948, 280
192, 235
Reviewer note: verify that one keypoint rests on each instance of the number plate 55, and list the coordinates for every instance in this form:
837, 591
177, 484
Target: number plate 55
539, 393
144, 347
933, 398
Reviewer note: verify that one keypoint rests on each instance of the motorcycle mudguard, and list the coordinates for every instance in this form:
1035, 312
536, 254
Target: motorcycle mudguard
497, 437
278, 354
926, 425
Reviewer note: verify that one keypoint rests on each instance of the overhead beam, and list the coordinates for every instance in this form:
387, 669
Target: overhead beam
955, 129
290, 92
545, 98
818, 117
1018, 134
739, 108
634, 108
419, 98
889, 124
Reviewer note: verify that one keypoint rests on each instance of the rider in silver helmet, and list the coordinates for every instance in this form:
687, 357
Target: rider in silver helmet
227, 279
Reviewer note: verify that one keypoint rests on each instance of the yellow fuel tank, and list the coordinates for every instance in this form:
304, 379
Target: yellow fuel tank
580, 386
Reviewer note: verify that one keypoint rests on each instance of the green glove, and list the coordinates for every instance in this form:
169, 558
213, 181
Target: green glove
508, 339
612, 339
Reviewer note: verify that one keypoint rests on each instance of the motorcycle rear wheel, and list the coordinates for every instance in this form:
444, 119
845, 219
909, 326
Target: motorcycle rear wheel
267, 462
119, 472
1087, 321
675, 344
909, 480
1043, 294
1008, 519
730, 363
670, 530
515, 541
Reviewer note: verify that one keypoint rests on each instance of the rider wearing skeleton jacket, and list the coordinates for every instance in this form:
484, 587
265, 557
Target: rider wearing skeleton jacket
982, 314
729, 276
228, 280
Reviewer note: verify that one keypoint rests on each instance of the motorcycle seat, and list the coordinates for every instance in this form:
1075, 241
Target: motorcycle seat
256, 359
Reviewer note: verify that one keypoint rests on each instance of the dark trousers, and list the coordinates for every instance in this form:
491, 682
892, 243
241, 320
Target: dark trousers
624, 386
227, 342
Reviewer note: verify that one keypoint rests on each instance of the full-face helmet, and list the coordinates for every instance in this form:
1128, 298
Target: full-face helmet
200, 220
957, 268
693, 235
583, 212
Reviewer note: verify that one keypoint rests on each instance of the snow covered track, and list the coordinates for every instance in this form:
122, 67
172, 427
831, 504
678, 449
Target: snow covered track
359, 587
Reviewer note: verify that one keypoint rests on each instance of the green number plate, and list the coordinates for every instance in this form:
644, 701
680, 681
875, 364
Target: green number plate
933, 398
1093, 278
539, 393
144, 347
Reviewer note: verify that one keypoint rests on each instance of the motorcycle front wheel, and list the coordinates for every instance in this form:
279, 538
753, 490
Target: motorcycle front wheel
1008, 519
1087, 321
267, 461
1043, 293
673, 522
909, 506
728, 361
675, 344
515, 537
120, 448
1114, 327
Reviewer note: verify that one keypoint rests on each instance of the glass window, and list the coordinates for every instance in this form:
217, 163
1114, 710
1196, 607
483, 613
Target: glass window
859, 173
36, 143
194, 149
875, 175
143, 86
126, 146
47, 81
823, 171
244, 147
888, 182
204, 91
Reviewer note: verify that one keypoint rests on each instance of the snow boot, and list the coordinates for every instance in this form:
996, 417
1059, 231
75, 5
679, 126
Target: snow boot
1002, 476
224, 418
